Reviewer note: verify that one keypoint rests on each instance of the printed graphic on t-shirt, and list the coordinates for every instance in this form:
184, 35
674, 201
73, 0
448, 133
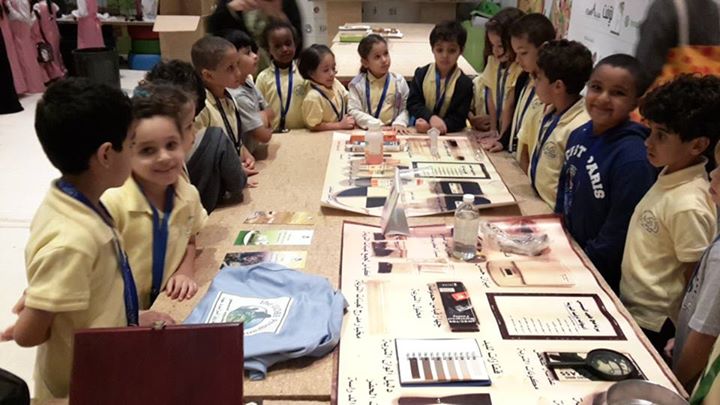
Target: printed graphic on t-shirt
551, 150
649, 222
259, 315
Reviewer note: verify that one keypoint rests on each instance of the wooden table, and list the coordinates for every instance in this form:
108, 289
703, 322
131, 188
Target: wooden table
291, 179
119, 23
406, 57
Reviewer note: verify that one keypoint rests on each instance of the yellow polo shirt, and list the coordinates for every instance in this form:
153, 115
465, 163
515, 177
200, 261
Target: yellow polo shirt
73, 272
210, 115
133, 217
527, 126
266, 85
671, 226
489, 78
316, 109
552, 154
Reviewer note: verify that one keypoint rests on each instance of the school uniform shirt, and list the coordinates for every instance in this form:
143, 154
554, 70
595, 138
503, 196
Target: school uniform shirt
671, 226
393, 110
267, 86
700, 309
210, 116
317, 109
550, 150
603, 178
496, 83
249, 103
73, 272
423, 99
527, 118
132, 213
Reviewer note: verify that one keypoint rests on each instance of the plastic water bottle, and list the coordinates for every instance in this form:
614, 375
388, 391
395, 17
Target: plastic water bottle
374, 145
465, 234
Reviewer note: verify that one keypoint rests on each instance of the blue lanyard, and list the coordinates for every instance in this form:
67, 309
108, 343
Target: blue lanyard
340, 113
440, 98
278, 86
382, 97
520, 116
486, 94
130, 294
160, 240
542, 139
235, 138
500, 91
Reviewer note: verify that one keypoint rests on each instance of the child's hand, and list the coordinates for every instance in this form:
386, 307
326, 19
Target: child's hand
249, 162
348, 122
148, 318
492, 145
7, 334
249, 172
481, 123
439, 123
421, 125
251, 183
401, 129
669, 347
180, 287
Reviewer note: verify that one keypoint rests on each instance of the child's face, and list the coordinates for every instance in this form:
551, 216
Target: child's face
715, 180
228, 73
248, 61
611, 96
157, 153
665, 148
526, 53
282, 46
325, 72
446, 54
187, 123
378, 60
498, 50
543, 87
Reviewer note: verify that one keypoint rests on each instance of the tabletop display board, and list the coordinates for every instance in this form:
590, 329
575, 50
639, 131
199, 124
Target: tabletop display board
437, 184
423, 325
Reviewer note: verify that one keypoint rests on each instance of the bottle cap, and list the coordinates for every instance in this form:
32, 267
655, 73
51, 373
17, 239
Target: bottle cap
468, 198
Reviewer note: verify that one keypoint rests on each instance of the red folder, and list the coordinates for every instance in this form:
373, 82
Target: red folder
182, 364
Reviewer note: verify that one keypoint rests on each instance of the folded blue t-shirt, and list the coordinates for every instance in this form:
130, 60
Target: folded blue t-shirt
286, 313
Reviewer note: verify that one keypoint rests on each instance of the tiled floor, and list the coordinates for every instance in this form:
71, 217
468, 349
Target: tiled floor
25, 174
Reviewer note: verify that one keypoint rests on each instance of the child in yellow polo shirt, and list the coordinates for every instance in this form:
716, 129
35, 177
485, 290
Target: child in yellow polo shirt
563, 68
493, 89
676, 220
77, 271
281, 84
527, 35
324, 107
158, 212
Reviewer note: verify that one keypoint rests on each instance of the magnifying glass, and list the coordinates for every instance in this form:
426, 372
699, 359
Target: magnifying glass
606, 364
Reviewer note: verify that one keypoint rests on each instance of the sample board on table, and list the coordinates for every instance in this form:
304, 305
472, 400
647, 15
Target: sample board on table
529, 309
437, 186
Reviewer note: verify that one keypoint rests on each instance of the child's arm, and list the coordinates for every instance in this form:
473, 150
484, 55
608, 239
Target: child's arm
401, 121
182, 284
313, 113
507, 112
231, 170
355, 108
268, 115
457, 113
248, 161
252, 119
416, 98
32, 327
347, 123
693, 358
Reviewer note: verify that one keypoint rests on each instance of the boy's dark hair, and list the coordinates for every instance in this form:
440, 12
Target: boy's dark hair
181, 74
310, 59
449, 31
687, 106
208, 51
500, 24
165, 100
633, 66
537, 28
241, 40
75, 116
273, 25
567, 61
366, 45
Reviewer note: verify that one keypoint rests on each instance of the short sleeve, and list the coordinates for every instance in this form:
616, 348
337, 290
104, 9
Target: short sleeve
312, 110
199, 214
203, 119
691, 231
59, 280
706, 317
247, 107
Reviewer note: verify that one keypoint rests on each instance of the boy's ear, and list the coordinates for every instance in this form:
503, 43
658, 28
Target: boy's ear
206, 74
699, 145
102, 155
559, 86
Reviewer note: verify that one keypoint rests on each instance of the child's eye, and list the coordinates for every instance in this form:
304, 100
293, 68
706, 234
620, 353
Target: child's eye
172, 145
617, 93
147, 151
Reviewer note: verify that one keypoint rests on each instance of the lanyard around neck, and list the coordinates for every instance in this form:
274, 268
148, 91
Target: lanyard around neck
554, 119
338, 113
520, 116
278, 86
235, 138
130, 295
160, 240
502, 76
382, 97
440, 98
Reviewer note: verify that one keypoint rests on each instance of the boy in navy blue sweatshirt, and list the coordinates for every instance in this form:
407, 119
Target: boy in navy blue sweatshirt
606, 171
